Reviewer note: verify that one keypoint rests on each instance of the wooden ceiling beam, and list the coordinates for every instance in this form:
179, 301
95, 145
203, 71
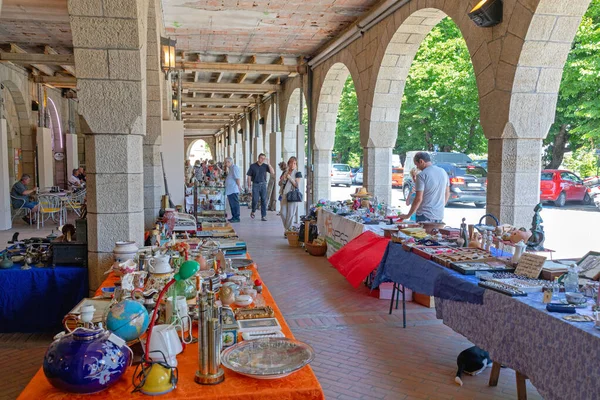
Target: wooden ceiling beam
200, 118
203, 126
227, 87
68, 82
39, 66
69, 68
211, 110
271, 69
39, 59
219, 102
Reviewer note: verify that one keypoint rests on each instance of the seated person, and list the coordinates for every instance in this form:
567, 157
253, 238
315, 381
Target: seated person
74, 182
20, 197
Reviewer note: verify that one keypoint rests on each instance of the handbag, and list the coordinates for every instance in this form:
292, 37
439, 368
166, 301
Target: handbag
294, 196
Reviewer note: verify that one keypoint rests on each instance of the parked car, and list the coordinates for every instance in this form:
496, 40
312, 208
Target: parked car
468, 183
353, 173
358, 177
481, 163
560, 186
397, 177
436, 157
340, 175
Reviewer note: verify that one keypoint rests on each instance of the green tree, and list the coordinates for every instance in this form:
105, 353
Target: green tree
577, 122
440, 109
347, 148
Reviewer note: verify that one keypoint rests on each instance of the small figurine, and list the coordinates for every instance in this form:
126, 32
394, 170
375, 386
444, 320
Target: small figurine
536, 241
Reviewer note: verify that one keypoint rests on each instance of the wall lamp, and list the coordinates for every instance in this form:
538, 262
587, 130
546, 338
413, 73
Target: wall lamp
487, 13
167, 51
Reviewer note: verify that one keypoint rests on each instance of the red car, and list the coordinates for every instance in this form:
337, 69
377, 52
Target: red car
560, 186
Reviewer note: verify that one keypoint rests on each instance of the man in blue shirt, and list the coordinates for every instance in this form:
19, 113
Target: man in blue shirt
233, 187
257, 181
20, 197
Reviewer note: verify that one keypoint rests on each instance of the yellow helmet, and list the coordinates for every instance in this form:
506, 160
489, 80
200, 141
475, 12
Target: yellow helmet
160, 380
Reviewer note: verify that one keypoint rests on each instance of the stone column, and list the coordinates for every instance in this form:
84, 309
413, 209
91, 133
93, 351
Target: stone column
5, 184
153, 176
275, 158
231, 142
45, 162
72, 151
109, 39
301, 156
322, 174
245, 149
514, 167
377, 172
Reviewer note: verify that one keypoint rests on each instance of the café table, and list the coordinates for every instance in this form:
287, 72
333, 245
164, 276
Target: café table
559, 357
37, 299
302, 384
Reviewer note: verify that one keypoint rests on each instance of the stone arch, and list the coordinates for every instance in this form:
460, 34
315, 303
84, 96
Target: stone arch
24, 139
328, 96
191, 144
291, 118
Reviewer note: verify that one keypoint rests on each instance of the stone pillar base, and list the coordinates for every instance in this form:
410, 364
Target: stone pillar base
153, 185
513, 188
377, 172
5, 217
322, 174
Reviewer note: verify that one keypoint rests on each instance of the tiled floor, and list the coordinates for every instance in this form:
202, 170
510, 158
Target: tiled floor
362, 352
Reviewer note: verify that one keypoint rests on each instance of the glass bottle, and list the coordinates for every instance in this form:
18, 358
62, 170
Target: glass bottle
571, 281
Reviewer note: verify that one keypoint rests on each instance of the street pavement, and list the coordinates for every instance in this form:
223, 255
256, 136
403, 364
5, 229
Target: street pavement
571, 231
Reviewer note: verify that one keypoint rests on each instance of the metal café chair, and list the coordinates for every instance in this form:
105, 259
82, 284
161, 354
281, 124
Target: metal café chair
74, 201
21, 211
50, 206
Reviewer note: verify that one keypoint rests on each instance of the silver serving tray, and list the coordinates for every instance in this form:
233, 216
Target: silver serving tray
267, 358
241, 263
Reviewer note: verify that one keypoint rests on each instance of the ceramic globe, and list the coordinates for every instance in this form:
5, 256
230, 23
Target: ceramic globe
128, 319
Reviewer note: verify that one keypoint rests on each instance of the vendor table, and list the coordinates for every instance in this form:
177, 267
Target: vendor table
302, 384
338, 230
36, 300
559, 357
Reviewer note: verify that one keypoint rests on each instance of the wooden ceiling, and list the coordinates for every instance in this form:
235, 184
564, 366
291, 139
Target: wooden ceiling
233, 53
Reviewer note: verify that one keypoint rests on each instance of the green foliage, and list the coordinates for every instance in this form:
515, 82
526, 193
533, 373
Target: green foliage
347, 148
440, 106
582, 161
578, 107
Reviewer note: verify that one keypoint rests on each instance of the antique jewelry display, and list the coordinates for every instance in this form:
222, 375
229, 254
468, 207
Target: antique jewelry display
502, 288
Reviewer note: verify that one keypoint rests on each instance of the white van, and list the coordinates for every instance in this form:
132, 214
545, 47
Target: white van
436, 157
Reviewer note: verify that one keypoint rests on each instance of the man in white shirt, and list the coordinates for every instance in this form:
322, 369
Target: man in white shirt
74, 181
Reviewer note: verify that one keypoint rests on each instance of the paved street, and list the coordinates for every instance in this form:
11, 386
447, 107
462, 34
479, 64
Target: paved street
570, 231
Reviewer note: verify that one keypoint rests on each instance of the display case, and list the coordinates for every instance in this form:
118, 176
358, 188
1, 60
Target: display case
209, 204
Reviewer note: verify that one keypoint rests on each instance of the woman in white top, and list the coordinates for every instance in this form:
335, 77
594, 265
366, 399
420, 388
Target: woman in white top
289, 181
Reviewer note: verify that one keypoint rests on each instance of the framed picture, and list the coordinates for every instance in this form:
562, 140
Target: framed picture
259, 324
589, 265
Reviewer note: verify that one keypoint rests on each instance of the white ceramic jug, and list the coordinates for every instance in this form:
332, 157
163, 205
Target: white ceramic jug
161, 265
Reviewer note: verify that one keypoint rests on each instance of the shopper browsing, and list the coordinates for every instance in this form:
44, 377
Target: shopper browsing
432, 191
289, 181
233, 187
257, 182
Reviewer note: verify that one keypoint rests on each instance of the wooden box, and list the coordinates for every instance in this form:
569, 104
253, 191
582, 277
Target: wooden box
423, 300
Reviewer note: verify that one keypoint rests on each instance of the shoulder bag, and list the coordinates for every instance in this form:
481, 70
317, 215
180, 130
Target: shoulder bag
294, 195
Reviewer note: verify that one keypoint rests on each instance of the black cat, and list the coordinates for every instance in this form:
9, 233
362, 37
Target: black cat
471, 361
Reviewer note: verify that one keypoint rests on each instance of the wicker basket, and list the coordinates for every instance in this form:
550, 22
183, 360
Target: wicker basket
293, 239
316, 250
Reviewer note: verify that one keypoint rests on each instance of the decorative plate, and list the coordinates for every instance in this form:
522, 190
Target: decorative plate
241, 263
267, 358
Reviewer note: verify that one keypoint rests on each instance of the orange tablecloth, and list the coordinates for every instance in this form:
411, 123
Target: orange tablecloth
302, 384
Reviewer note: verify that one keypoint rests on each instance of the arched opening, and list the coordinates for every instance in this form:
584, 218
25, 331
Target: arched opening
19, 143
325, 131
293, 119
199, 150
426, 98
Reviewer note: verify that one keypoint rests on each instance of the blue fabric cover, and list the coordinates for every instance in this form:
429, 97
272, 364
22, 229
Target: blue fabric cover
427, 277
36, 300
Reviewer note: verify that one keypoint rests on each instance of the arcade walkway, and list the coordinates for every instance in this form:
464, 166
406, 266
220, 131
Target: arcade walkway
362, 352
